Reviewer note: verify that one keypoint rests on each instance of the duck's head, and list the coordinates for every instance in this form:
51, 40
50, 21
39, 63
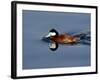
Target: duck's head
51, 33
52, 45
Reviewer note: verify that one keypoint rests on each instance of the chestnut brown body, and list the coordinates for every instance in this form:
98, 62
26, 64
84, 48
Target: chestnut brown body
64, 38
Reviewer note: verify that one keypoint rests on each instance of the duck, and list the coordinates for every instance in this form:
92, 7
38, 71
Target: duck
63, 38
54, 39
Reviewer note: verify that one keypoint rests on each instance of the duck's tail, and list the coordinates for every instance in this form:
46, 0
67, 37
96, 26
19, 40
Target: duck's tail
84, 35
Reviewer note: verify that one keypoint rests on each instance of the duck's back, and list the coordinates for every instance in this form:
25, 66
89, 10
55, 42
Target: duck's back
64, 38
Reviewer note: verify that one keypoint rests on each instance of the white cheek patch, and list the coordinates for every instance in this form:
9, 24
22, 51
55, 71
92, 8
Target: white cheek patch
51, 34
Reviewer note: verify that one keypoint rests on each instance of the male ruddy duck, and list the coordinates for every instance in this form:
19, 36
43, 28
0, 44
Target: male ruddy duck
64, 38
55, 38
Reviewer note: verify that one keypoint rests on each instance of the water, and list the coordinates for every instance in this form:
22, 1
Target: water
36, 53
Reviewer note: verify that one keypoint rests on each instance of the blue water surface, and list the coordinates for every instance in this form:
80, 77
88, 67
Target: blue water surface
36, 53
